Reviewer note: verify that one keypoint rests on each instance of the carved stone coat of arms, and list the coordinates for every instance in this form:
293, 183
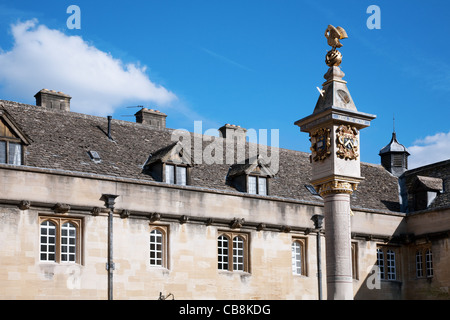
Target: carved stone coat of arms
347, 142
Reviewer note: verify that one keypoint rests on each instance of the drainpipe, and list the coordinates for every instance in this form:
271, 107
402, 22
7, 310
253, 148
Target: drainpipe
318, 223
109, 203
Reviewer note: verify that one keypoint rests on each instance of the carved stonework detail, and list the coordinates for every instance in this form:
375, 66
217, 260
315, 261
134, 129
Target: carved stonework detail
61, 208
96, 211
155, 216
336, 187
24, 205
261, 226
347, 142
184, 219
320, 144
286, 229
237, 223
209, 221
125, 214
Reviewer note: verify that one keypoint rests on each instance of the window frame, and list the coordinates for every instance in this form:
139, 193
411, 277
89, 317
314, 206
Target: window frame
164, 230
257, 186
175, 170
230, 236
355, 260
426, 265
419, 264
380, 263
390, 268
8, 142
303, 259
429, 264
58, 222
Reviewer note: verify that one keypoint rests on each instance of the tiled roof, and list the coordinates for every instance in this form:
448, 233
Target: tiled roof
62, 140
434, 176
428, 183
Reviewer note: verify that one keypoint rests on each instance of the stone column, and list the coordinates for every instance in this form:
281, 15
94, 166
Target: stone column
338, 246
334, 128
336, 195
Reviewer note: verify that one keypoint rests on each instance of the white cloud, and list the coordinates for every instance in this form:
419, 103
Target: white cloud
98, 83
429, 150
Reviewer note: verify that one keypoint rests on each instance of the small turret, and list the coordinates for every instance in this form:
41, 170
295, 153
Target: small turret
394, 157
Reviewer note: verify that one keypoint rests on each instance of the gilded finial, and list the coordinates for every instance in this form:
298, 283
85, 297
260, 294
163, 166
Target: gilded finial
333, 35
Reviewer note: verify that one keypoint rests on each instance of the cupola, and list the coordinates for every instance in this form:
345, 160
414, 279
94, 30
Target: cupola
394, 157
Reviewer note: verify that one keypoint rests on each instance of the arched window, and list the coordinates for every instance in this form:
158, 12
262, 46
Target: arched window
238, 253
380, 263
391, 268
424, 261
232, 252
60, 240
222, 252
68, 242
48, 241
297, 257
156, 248
386, 262
429, 262
419, 264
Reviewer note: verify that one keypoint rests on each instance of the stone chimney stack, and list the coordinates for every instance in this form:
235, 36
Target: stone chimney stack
50, 99
231, 130
153, 118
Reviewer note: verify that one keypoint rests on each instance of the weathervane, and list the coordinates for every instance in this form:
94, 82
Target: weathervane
333, 35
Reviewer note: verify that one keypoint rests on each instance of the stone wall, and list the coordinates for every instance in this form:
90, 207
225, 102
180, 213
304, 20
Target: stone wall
193, 217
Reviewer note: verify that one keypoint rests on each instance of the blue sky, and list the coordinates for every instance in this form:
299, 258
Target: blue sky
251, 63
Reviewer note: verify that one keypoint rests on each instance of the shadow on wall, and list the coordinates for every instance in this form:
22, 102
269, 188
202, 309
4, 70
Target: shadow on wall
372, 288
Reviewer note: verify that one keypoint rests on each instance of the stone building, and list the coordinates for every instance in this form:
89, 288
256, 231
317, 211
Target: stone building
98, 208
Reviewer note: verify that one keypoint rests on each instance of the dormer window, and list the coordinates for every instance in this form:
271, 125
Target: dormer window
424, 191
251, 177
12, 141
10, 152
175, 174
257, 185
170, 165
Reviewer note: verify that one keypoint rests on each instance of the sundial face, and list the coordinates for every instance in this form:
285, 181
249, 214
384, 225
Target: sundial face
343, 96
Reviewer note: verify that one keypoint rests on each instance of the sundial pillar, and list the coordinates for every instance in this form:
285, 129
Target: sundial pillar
334, 130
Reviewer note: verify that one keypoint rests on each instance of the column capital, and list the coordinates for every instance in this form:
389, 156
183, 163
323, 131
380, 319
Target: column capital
335, 184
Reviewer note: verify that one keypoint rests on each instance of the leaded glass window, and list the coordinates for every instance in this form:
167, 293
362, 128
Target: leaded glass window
156, 248
238, 254
222, 252
297, 259
68, 242
48, 241
429, 262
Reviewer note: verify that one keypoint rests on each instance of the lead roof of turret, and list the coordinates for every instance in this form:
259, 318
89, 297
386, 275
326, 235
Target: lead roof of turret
394, 146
